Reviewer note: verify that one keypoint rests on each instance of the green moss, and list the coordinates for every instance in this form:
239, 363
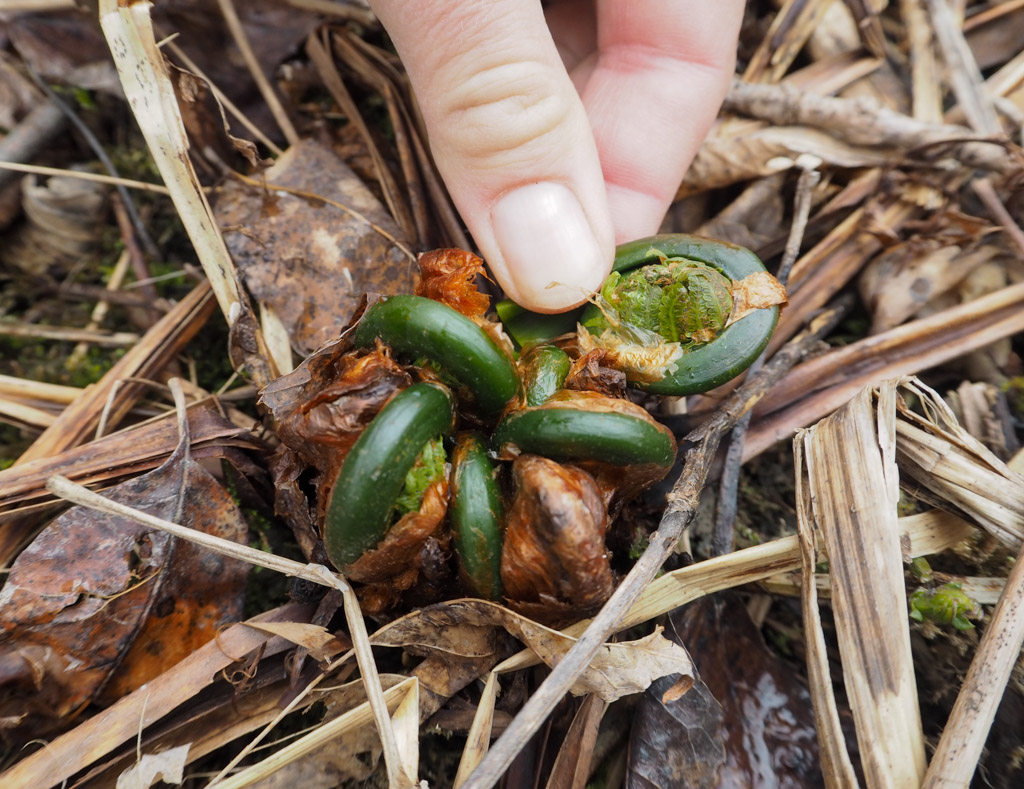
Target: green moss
429, 468
93, 365
947, 605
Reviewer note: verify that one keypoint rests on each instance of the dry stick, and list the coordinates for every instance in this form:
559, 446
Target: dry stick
345, 9
66, 489
963, 738
320, 54
385, 79
122, 215
926, 90
227, 9
789, 31
100, 337
984, 189
962, 70
728, 488
682, 502
861, 122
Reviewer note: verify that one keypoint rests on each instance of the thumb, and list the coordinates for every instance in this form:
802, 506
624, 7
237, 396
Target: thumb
512, 141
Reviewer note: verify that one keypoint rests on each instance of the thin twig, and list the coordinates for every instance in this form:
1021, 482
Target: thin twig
987, 192
680, 510
223, 100
227, 8
36, 169
728, 488
37, 331
77, 494
122, 215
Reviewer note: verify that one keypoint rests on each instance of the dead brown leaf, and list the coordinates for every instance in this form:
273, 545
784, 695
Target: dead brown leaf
676, 742
618, 669
321, 643
302, 253
98, 604
166, 766
767, 726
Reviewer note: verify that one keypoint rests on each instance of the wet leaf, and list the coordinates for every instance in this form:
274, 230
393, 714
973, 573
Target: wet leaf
97, 602
768, 727
676, 741
301, 254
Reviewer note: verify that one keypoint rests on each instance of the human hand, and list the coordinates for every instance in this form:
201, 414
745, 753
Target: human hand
563, 131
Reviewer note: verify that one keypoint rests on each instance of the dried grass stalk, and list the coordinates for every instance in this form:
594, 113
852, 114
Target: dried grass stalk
836, 766
354, 719
143, 73
852, 489
789, 32
822, 384
951, 467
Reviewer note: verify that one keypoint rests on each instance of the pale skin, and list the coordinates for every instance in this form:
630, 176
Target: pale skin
564, 130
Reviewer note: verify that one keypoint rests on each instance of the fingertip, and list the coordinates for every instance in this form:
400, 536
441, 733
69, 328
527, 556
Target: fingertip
548, 255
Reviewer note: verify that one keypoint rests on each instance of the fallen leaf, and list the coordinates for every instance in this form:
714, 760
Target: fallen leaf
617, 670
676, 742
152, 768
98, 602
305, 257
768, 727
321, 643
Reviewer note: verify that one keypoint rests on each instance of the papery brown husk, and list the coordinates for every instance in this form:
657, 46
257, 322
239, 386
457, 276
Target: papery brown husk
554, 564
449, 276
409, 547
588, 374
